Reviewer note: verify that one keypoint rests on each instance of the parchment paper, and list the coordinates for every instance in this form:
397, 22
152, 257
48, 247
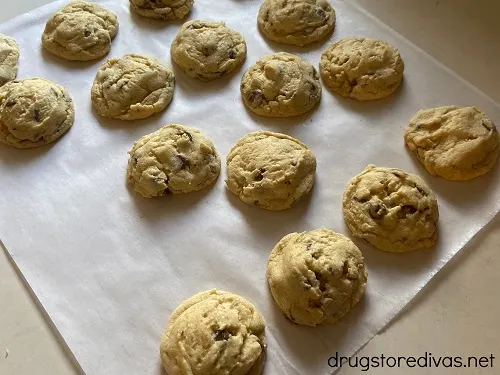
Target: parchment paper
110, 266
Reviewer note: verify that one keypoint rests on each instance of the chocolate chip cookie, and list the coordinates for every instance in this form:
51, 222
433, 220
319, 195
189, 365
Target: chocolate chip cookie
214, 332
456, 143
362, 68
296, 22
281, 85
9, 56
80, 31
391, 209
132, 87
34, 112
173, 160
270, 170
316, 277
162, 9
207, 50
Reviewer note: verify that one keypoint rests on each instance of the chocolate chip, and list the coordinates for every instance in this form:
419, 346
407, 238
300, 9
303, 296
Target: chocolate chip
232, 54
314, 304
256, 203
345, 269
184, 161
308, 246
486, 126
420, 190
188, 135
378, 210
255, 98
135, 160
321, 13
321, 281
361, 200
36, 115
87, 33
221, 335
260, 174
10, 103
167, 191
406, 210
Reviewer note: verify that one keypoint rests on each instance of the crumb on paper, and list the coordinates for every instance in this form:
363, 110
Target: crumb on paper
6, 352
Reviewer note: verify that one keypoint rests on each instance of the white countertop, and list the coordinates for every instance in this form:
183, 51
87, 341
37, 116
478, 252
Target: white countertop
456, 314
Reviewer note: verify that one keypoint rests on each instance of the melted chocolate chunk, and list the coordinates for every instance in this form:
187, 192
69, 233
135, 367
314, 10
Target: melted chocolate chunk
221, 335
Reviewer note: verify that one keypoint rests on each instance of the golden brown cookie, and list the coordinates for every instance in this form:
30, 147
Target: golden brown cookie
80, 31
362, 68
132, 87
456, 143
281, 85
34, 112
175, 159
214, 332
296, 22
270, 170
208, 50
316, 277
391, 209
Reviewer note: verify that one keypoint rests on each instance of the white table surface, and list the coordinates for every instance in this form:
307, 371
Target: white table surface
456, 314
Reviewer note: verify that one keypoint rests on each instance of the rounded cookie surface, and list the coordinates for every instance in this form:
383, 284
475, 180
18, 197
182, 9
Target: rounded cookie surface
362, 68
175, 159
133, 87
207, 50
456, 143
162, 9
9, 56
316, 277
34, 112
391, 209
281, 85
214, 332
80, 31
270, 170
296, 22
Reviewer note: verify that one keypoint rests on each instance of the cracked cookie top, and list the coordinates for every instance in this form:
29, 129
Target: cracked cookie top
80, 31
34, 112
362, 68
296, 22
281, 85
316, 277
270, 170
391, 209
9, 56
214, 332
456, 143
172, 160
207, 50
162, 9
133, 87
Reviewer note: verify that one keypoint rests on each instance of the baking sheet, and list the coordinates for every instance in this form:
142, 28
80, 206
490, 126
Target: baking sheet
109, 266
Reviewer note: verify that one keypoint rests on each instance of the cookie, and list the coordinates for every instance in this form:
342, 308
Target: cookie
214, 332
80, 31
296, 22
131, 88
207, 50
456, 143
34, 112
162, 9
391, 209
9, 55
281, 85
270, 170
362, 68
173, 160
316, 277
